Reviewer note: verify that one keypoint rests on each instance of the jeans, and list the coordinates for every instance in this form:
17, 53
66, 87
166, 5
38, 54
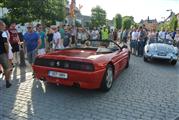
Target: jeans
31, 56
141, 45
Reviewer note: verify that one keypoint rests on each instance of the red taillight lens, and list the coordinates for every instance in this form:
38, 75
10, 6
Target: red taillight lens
87, 67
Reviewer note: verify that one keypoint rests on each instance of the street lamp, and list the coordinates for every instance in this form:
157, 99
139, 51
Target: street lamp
169, 10
171, 14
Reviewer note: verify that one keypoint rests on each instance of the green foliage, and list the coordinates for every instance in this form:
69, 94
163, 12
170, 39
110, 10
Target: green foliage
7, 20
129, 17
169, 25
88, 25
98, 17
29, 10
174, 23
135, 25
126, 23
118, 21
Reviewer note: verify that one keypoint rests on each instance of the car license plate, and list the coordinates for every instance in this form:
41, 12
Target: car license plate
162, 54
58, 74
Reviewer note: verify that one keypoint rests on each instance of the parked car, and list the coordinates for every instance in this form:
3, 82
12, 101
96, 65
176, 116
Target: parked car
93, 65
164, 50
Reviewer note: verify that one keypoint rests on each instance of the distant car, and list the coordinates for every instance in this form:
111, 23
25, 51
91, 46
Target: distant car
164, 50
93, 65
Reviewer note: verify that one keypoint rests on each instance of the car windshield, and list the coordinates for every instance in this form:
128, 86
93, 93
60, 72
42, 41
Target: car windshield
156, 40
96, 44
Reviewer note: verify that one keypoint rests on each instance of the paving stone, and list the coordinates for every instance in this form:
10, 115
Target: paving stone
144, 91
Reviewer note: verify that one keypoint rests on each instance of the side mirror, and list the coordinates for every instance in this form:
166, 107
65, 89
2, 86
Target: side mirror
124, 46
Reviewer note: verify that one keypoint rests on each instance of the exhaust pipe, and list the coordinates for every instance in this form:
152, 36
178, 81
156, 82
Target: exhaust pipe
75, 84
42, 79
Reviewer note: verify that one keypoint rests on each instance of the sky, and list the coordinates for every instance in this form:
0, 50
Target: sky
139, 9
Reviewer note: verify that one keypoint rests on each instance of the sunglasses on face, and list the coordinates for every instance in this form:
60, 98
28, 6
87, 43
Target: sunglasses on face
29, 27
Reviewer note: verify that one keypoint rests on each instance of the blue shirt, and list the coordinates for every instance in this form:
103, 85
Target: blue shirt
31, 41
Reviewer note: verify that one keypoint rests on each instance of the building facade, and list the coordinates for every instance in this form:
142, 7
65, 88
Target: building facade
149, 23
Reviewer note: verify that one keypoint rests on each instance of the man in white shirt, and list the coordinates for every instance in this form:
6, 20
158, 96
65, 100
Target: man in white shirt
95, 34
134, 38
162, 35
57, 41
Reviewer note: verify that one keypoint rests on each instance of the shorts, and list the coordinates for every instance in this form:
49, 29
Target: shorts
4, 61
15, 47
31, 56
133, 44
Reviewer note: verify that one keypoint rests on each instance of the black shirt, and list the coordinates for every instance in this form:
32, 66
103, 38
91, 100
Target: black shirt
2, 41
66, 39
50, 37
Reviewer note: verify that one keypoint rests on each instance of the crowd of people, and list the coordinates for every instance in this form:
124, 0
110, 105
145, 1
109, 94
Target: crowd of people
139, 38
39, 40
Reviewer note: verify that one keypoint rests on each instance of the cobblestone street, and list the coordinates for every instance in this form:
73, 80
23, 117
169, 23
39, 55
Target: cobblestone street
144, 91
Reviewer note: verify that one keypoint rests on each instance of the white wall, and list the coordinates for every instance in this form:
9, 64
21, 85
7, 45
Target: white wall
3, 11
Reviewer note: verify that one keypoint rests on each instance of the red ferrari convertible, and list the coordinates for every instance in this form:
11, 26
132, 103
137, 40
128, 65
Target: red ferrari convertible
92, 65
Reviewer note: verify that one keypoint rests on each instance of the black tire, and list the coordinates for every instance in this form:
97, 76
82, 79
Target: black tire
107, 79
145, 59
174, 62
127, 65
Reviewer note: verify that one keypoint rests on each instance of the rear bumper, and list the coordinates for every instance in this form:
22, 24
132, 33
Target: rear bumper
169, 58
87, 80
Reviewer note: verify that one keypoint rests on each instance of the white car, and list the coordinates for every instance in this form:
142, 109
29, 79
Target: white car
160, 50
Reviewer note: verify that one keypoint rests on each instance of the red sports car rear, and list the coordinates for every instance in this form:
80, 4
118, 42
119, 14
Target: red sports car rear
86, 67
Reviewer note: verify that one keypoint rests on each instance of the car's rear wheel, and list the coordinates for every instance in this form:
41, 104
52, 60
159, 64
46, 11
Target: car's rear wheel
145, 59
127, 65
174, 62
107, 79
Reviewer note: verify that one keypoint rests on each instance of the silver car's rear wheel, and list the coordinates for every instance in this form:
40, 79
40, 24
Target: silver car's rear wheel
145, 59
174, 62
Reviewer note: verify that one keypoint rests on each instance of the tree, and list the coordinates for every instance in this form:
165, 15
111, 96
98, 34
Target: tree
118, 21
98, 17
29, 10
174, 23
135, 25
127, 22
170, 25
88, 25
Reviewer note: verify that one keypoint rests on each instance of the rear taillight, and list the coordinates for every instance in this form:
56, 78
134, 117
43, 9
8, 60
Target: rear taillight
87, 67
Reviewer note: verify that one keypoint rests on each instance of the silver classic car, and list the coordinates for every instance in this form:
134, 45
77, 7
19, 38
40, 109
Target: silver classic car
160, 50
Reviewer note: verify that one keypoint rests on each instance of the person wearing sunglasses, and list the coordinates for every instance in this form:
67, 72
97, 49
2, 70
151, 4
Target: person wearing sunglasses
32, 43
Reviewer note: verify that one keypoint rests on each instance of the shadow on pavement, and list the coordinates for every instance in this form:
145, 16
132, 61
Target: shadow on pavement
12, 98
58, 100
